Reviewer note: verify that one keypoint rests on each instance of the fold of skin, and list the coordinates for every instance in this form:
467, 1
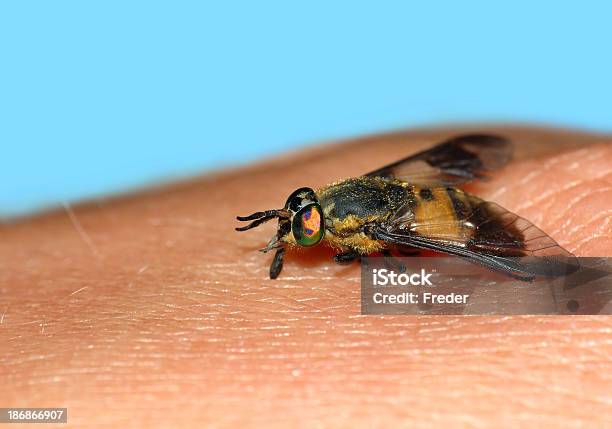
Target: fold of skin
150, 310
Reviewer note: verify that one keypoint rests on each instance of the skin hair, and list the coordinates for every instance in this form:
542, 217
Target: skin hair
149, 310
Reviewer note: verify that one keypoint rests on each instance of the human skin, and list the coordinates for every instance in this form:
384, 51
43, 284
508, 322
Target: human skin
149, 310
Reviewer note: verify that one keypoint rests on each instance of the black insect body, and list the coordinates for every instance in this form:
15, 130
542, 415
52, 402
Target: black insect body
414, 203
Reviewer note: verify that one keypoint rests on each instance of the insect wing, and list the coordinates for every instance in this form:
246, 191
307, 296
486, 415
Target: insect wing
486, 233
458, 160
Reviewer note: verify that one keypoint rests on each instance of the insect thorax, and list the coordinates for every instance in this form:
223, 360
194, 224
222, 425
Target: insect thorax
359, 200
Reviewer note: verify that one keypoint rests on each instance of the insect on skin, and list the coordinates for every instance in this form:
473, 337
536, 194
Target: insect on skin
415, 203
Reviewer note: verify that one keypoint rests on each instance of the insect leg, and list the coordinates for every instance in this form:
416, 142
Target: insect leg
277, 263
345, 258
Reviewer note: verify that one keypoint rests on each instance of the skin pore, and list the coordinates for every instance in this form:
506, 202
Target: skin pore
150, 310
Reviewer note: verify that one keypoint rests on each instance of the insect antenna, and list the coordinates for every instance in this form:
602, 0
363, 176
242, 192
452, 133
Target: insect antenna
261, 217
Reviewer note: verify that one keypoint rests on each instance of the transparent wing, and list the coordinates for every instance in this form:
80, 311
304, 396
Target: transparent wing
486, 233
458, 160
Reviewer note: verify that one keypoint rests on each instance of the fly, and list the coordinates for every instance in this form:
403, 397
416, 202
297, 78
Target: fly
415, 203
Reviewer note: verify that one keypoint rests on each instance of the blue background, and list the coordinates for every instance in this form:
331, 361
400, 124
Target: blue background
100, 97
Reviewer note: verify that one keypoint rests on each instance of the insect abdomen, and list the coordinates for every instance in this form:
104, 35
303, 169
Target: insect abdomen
437, 210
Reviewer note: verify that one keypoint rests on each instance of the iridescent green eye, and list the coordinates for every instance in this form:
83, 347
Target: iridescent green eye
308, 225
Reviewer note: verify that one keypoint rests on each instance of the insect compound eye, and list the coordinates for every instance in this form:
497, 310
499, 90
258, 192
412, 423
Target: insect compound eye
299, 198
308, 225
